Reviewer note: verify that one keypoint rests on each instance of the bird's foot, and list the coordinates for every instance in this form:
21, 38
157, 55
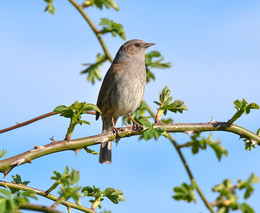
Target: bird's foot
137, 126
116, 130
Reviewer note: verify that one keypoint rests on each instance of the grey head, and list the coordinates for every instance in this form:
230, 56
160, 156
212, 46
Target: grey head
132, 49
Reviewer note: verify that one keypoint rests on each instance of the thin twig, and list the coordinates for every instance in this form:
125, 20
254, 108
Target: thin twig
93, 27
43, 194
39, 208
36, 119
184, 162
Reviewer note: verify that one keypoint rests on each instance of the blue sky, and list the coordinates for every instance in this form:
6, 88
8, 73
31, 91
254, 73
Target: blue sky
214, 48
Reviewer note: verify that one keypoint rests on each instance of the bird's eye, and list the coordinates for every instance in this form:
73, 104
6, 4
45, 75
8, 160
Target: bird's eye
137, 45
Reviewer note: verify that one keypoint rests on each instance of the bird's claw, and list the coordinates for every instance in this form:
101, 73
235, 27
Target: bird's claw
116, 130
137, 126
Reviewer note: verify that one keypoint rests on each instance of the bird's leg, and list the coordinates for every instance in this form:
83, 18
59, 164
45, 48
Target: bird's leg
115, 130
113, 124
136, 126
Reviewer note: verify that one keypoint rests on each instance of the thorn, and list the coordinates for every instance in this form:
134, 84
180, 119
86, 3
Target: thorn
6, 172
38, 147
77, 151
17, 162
30, 161
212, 120
117, 140
254, 142
189, 132
16, 123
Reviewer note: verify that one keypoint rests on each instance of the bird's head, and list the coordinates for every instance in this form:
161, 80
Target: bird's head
134, 48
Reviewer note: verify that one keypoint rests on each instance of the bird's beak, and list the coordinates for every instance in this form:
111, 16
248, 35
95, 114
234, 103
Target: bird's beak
146, 45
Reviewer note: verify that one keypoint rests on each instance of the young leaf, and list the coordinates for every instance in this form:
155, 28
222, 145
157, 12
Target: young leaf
165, 104
242, 107
91, 151
146, 123
93, 70
100, 3
50, 8
2, 153
17, 180
114, 195
185, 192
109, 26
199, 142
151, 63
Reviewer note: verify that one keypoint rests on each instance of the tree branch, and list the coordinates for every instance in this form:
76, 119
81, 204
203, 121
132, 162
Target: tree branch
93, 27
43, 194
39, 208
8, 164
35, 119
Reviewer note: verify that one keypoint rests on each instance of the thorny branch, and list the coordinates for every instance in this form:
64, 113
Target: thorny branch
8, 164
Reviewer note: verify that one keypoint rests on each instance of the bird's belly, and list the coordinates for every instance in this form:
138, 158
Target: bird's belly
128, 97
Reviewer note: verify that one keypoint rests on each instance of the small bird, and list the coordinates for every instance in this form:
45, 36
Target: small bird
122, 89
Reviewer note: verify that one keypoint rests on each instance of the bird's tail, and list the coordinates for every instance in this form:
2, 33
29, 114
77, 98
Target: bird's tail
105, 154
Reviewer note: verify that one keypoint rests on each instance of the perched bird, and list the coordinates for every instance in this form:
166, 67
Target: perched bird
122, 89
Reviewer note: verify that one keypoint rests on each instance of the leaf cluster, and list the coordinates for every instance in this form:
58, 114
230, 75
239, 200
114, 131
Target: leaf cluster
242, 107
228, 199
249, 143
150, 63
2, 153
74, 112
93, 70
150, 131
165, 104
109, 26
185, 192
50, 8
197, 142
10, 200
114, 195
100, 3
67, 182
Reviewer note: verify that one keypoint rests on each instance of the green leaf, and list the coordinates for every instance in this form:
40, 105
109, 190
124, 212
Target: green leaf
2, 153
185, 192
242, 107
150, 63
87, 191
114, 195
17, 180
148, 134
5, 192
60, 109
146, 123
50, 8
93, 70
109, 26
91, 151
165, 104
245, 208
248, 144
100, 3
199, 142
